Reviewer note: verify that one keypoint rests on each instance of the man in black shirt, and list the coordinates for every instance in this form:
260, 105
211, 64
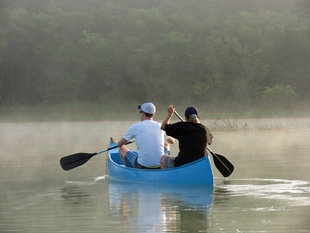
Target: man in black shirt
193, 138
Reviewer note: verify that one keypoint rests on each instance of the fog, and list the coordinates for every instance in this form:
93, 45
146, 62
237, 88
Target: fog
33, 150
63, 62
72, 73
271, 180
235, 56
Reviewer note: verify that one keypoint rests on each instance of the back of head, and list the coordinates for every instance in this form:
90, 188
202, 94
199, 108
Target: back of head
191, 114
148, 108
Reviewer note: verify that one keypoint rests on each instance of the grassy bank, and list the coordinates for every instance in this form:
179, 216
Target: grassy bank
121, 111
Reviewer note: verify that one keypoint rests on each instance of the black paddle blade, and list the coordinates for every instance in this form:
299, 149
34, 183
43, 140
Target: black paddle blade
72, 161
223, 165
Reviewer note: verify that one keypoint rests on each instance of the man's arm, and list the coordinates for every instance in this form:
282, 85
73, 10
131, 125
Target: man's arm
121, 142
168, 118
170, 140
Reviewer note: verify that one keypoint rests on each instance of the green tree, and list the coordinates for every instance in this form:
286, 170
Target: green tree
279, 97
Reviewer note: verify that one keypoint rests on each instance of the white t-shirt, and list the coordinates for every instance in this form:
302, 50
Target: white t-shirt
149, 141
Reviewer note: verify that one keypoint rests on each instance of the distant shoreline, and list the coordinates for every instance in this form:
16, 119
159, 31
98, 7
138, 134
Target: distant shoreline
215, 120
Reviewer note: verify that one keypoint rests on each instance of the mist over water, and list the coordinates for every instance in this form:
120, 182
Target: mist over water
75, 60
269, 190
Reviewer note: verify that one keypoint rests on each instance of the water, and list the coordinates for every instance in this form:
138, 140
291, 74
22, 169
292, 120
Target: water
269, 190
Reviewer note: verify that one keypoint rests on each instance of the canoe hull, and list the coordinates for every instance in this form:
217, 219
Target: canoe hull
198, 172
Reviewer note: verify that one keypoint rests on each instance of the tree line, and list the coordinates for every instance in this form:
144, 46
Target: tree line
233, 53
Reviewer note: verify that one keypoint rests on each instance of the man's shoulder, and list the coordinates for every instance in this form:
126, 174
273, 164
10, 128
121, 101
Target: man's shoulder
175, 126
181, 124
189, 125
145, 123
152, 122
135, 124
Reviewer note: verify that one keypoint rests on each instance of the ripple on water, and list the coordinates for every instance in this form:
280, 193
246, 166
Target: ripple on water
293, 192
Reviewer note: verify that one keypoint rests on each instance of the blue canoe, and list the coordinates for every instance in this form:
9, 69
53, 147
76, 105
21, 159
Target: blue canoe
198, 172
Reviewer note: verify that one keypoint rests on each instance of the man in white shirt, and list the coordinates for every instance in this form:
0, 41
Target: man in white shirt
149, 140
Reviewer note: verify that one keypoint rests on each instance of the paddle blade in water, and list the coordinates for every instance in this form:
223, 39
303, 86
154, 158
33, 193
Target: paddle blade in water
222, 164
72, 161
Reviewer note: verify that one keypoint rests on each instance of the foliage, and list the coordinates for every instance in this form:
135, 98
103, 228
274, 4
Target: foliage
223, 54
279, 96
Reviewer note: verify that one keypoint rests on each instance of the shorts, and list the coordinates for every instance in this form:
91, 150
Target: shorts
131, 158
169, 162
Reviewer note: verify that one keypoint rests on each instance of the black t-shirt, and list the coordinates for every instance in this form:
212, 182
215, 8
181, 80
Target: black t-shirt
192, 141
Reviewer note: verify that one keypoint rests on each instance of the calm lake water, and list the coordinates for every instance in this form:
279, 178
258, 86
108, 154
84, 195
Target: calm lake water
269, 190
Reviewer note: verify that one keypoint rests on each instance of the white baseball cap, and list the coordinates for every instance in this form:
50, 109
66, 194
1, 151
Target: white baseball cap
148, 107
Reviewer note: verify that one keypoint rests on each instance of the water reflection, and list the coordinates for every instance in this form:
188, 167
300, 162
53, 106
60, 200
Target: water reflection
153, 208
73, 194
